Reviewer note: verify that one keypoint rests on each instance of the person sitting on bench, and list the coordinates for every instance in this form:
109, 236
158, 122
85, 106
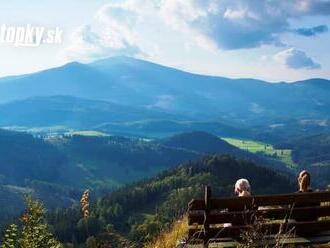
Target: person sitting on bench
242, 187
304, 181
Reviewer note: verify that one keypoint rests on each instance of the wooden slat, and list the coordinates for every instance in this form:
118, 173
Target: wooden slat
207, 197
268, 200
300, 228
217, 217
223, 244
273, 241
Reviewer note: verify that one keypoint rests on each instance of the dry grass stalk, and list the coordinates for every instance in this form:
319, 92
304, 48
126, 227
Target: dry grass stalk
85, 204
170, 238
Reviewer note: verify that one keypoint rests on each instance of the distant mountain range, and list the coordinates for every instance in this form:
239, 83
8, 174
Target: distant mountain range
64, 113
72, 112
132, 82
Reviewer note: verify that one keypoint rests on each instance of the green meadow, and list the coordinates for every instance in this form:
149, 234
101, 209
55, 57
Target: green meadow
259, 147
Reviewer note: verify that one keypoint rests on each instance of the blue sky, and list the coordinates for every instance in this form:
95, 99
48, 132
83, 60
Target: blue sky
265, 39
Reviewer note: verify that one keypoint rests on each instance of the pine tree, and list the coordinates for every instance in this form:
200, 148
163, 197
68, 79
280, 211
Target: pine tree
35, 231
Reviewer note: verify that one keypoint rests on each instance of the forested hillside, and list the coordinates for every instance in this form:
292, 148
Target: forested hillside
138, 212
312, 150
117, 160
312, 153
102, 161
206, 143
72, 112
56, 169
199, 141
165, 128
24, 157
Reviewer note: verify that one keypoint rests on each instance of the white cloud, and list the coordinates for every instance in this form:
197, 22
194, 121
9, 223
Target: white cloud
113, 34
229, 25
311, 7
212, 24
117, 23
87, 45
235, 14
296, 59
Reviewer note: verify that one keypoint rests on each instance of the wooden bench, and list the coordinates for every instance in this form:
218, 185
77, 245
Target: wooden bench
302, 218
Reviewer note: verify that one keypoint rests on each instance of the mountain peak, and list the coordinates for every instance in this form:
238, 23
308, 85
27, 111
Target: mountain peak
73, 63
132, 64
118, 60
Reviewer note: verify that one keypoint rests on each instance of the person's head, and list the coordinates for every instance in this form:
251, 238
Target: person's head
304, 181
242, 187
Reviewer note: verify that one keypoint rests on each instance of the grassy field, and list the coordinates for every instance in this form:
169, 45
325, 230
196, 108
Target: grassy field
255, 147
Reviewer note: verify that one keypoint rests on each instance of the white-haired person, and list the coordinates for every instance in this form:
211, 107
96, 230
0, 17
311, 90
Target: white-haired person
242, 187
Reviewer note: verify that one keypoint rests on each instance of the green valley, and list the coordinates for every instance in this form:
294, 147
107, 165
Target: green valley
285, 155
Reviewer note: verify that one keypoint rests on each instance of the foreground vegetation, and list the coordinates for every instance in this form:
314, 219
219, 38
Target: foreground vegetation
32, 231
171, 237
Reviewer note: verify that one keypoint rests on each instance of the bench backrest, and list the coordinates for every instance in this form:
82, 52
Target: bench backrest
305, 208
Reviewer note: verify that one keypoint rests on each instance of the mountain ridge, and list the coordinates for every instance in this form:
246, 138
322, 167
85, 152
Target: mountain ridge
134, 82
75, 112
127, 58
